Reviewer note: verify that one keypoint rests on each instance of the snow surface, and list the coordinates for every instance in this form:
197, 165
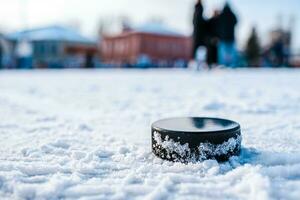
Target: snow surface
86, 134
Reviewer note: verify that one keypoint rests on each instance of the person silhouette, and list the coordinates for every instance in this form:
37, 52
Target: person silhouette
1, 53
199, 25
227, 53
213, 38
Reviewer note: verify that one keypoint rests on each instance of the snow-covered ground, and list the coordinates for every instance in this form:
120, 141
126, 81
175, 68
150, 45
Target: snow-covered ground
86, 134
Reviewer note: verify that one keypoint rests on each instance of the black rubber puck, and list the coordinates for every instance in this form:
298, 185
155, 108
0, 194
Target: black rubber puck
196, 139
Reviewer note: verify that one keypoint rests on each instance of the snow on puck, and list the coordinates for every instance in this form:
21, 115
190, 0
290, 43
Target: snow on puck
194, 139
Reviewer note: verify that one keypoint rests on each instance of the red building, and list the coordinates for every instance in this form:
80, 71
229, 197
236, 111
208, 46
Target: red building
146, 47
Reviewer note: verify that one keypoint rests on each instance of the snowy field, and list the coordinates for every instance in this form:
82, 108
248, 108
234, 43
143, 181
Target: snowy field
86, 134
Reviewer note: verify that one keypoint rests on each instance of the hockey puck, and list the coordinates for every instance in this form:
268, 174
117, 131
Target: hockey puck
194, 139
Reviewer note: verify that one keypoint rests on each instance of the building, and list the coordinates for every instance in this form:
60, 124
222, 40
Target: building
56, 47
150, 45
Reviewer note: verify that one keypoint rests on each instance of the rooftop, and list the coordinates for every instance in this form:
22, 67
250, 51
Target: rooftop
157, 28
50, 33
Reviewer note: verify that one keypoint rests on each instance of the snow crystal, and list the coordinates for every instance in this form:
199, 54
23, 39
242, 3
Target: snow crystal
78, 155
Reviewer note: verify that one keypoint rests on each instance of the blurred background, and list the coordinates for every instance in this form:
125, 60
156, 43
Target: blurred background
147, 34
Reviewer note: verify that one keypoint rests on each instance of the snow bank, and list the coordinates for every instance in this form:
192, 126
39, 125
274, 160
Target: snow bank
86, 134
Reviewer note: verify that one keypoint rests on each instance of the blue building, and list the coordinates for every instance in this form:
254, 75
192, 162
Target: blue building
56, 47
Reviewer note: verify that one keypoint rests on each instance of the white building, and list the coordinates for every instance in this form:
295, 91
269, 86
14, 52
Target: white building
56, 46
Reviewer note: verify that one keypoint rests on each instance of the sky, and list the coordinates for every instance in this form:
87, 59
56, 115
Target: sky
87, 14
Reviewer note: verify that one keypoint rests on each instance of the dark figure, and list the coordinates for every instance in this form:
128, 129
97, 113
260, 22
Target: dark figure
227, 24
278, 50
213, 39
199, 23
89, 60
0, 57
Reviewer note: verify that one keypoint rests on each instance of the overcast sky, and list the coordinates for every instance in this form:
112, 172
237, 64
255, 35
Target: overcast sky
265, 14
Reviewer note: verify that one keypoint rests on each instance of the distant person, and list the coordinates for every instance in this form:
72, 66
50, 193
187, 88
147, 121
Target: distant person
199, 34
278, 50
227, 54
1, 55
213, 39
89, 60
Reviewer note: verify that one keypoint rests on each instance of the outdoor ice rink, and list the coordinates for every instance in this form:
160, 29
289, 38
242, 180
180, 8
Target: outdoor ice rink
86, 134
